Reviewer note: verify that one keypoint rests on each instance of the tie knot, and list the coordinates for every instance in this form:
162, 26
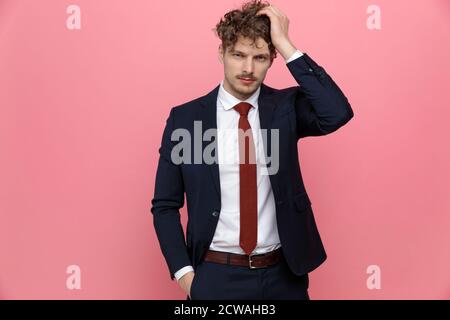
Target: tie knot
243, 108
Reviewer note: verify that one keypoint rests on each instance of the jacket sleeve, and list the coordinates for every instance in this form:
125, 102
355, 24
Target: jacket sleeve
168, 199
321, 107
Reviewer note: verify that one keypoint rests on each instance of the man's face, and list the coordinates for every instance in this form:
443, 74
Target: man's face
245, 61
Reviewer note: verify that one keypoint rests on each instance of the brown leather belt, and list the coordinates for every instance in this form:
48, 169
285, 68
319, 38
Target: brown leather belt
253, 261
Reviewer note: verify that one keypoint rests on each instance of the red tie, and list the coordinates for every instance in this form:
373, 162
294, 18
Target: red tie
247, 181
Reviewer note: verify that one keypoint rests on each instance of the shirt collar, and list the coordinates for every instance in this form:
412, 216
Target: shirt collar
228, 101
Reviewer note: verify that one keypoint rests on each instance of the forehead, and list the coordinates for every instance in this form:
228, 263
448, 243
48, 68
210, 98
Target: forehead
246, 45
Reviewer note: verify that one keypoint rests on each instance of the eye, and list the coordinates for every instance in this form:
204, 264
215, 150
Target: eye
236, 54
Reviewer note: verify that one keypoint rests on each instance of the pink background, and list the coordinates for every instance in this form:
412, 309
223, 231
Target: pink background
82, 113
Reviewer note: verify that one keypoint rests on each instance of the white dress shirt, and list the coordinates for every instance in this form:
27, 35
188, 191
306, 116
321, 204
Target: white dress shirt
226, 236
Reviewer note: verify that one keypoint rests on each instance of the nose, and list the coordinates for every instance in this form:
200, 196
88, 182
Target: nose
248, 65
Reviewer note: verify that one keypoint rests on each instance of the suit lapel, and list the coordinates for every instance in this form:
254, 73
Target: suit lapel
208, 116
267, 107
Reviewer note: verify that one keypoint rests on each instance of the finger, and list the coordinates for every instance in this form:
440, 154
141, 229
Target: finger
262, 11
272, 8
276, 10
267, 12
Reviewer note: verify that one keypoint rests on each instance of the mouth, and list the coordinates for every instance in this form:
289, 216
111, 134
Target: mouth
247, 81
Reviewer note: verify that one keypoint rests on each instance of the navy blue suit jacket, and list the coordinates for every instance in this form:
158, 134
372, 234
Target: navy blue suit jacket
317, 107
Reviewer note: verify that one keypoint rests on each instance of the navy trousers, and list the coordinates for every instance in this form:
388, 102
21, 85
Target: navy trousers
215, 281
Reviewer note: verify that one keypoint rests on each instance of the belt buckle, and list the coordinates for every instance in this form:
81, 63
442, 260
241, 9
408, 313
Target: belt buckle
250, 261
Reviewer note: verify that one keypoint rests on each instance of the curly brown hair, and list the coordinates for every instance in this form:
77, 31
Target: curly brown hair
244, 22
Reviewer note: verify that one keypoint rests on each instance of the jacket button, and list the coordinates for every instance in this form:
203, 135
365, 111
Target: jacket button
310, 70
280, 202
215, 213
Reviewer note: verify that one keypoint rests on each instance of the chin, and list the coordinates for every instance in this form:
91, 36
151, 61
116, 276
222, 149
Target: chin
253, 85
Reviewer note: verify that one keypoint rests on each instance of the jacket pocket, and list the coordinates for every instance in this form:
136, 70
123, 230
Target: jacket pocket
302, 202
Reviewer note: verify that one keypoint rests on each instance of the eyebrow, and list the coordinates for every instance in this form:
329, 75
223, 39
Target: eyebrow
265, 55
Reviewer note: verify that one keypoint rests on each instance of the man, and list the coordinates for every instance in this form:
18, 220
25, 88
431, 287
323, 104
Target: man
250, 233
